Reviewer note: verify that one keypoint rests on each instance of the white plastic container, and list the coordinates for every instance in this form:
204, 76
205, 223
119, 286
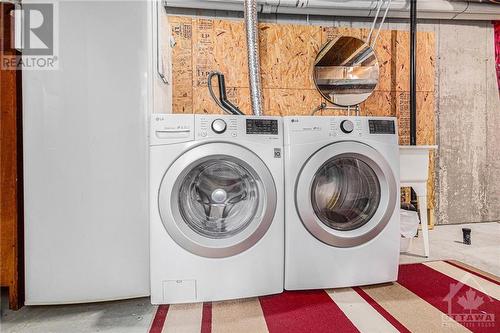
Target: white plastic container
409, 224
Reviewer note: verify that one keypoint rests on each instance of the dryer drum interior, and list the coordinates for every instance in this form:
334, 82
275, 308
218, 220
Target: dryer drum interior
345, 193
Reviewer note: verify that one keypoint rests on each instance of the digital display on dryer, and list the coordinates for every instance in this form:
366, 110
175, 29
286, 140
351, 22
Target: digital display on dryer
379, 126
262, 126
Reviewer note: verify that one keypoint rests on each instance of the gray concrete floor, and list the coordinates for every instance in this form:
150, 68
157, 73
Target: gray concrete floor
446, 243
135, 315
128, 316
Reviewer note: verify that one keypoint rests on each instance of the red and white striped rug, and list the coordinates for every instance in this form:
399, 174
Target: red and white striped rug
440, 296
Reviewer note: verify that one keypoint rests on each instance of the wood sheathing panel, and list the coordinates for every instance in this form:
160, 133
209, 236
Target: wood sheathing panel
287, 55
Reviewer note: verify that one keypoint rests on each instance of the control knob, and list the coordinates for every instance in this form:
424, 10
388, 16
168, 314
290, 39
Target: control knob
219, 126
347, 126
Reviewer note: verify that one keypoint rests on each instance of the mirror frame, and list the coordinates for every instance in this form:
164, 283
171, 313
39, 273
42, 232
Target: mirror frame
321, 50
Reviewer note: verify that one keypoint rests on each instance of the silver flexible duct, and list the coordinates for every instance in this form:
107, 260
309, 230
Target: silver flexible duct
252, 29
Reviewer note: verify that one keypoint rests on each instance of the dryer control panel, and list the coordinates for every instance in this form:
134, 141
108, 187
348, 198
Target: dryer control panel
307, 129
384, 126
340, 126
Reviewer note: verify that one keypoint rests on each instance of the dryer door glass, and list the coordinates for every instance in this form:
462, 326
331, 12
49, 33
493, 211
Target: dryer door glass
219, 198
345, 193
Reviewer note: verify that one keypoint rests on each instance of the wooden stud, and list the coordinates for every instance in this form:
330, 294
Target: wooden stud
425, 61
182, 64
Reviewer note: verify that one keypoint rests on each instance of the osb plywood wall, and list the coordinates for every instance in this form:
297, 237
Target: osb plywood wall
287, 56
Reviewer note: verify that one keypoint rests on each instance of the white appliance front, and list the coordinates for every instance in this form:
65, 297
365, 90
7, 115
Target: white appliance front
86, 157
341, 195
216, 207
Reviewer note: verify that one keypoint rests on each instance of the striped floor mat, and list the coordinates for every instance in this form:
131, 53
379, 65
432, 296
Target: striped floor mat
439, 296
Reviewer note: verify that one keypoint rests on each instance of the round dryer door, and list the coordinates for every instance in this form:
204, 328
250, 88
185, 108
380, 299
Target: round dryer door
217, 200
346, 194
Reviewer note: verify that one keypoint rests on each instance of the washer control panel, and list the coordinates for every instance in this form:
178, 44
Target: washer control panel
219, 126
262, 126
210, 126
257, 129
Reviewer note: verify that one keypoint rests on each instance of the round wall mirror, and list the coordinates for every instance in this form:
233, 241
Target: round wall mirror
346, 71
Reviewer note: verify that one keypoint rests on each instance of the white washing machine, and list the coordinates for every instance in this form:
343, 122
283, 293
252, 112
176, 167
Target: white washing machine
217, 227
341, 200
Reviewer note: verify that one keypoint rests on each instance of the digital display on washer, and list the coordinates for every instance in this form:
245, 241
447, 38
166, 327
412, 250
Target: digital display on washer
262, 126
378, 126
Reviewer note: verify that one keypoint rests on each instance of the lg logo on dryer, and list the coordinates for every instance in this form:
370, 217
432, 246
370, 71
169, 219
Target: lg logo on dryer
277, 152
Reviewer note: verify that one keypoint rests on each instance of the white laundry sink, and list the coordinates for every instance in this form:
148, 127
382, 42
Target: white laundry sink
414, 163
414, 172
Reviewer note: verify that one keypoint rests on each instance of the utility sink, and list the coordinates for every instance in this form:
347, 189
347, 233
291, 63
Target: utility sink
414, 163
414, 172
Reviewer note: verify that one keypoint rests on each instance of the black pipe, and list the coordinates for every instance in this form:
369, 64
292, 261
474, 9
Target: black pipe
223, 97
413, 72
222, 101
413, 82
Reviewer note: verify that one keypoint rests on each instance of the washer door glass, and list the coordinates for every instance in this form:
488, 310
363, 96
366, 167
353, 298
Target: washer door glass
219, 198
217, 205
345, 193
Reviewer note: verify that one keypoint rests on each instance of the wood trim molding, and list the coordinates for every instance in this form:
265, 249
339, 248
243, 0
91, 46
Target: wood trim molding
11, 208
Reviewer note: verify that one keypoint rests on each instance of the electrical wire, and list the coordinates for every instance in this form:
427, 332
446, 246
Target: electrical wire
380, 2
382, 23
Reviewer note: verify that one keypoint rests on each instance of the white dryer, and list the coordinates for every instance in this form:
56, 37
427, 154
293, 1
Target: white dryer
341, 200
217, 227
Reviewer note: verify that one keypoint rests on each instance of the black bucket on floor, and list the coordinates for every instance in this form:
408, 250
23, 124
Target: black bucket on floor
466, 235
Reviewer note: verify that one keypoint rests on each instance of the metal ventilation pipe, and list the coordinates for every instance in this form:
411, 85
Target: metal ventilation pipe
252, 30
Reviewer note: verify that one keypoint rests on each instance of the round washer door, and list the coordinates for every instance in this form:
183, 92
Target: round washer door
346, 194
217, 200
